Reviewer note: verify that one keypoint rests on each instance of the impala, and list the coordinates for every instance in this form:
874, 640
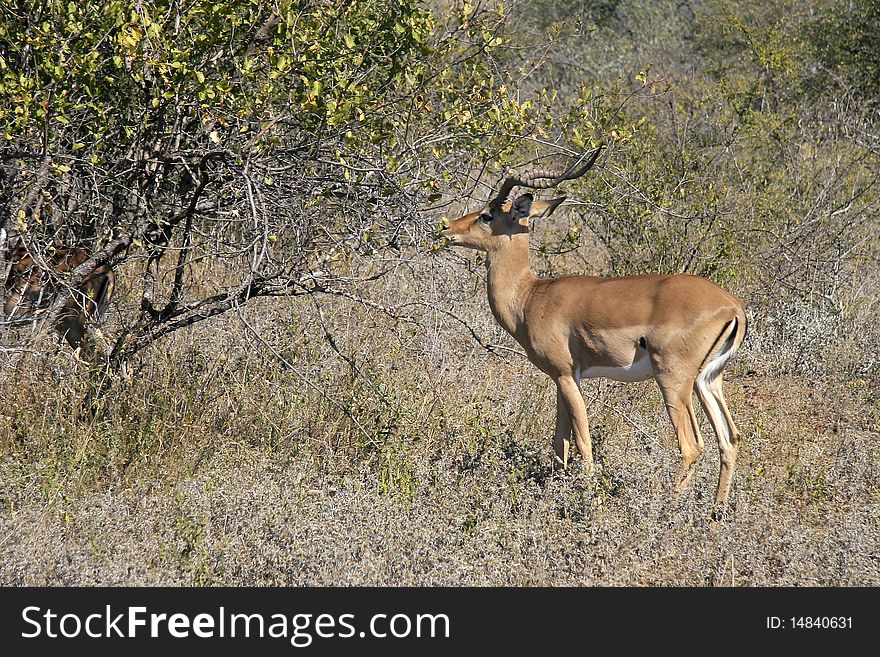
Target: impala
30, 288
680, 330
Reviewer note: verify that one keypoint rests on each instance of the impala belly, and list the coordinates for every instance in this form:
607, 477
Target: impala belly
620, 353
593, 358
638, 370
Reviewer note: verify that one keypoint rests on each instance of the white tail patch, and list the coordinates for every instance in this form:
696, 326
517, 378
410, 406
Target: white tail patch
713, 368
711, 403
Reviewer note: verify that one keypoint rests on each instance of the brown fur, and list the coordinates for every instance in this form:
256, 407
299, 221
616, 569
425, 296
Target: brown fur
669, 328
29, 288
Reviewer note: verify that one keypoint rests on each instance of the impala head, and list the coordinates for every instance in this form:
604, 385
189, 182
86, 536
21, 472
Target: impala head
501, 218
479, 230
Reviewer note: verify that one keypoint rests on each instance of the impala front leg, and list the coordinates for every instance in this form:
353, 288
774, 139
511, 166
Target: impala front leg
570, 394
562, 438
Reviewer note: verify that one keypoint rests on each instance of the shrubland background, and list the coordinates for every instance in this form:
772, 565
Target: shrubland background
302, 387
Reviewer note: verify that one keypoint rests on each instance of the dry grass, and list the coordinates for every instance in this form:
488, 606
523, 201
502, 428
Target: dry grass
232, 459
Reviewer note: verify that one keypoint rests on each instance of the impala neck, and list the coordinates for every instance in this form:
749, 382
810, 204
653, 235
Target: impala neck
509, 281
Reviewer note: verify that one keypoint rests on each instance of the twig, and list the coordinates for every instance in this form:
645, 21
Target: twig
309, 383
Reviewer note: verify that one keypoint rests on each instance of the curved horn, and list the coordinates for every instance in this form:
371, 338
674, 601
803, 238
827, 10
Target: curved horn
544, 179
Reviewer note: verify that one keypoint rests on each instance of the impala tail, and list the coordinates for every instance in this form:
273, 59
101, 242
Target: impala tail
724, 348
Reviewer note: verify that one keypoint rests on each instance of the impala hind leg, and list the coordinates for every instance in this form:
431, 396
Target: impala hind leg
718, 394
678, 396
567, 389
712, 398
562, 437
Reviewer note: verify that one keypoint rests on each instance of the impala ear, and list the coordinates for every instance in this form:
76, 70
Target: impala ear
522, 207
551, 205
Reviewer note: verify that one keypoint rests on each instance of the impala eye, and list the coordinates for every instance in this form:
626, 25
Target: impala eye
486, 218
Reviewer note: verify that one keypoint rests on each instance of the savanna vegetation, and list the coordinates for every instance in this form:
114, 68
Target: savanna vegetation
296, 383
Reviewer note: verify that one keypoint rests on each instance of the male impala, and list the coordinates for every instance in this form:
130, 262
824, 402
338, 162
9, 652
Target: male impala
30, 288
679, 330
